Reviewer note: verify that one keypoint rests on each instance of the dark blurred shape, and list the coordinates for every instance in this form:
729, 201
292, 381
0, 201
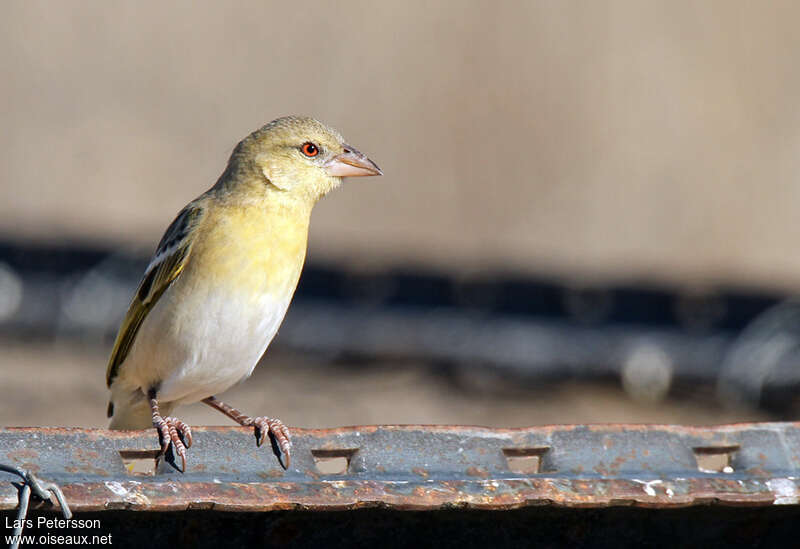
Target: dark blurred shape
589, 305
527, 328
762, 366
10, 292
700, 311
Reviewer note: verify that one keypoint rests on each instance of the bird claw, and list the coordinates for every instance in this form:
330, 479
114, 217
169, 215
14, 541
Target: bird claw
279, 435
176, 433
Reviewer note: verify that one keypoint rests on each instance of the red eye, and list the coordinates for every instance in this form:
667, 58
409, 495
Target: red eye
310, 150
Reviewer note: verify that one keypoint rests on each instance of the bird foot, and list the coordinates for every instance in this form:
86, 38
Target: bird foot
279, 435
173, 432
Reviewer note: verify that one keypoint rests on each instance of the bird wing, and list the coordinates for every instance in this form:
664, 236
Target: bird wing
167, 264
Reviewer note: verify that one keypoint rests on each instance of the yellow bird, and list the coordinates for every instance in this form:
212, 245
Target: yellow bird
221, 279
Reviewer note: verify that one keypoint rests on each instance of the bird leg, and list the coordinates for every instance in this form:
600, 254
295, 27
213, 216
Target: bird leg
278, 432
171, 431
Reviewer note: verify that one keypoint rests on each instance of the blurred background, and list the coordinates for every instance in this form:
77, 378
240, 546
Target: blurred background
589, 211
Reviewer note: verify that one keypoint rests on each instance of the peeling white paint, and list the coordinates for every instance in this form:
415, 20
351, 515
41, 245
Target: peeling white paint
132, 495
785, 491
648, 486
138, 497
670, 492
117, 488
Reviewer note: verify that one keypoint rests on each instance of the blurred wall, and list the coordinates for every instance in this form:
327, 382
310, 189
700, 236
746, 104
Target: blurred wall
590, 139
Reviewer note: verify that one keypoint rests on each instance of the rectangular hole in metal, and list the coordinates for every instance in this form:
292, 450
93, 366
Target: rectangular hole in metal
714, 459
525, 461
139, 462
333, 462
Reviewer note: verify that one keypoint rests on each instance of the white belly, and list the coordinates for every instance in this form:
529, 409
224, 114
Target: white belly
214, 340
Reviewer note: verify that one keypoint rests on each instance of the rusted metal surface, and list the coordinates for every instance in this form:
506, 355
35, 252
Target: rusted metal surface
420, 467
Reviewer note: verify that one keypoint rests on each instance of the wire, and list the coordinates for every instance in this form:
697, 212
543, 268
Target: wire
40, 489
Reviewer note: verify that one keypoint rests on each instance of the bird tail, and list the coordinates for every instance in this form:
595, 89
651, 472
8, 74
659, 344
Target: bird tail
131, 410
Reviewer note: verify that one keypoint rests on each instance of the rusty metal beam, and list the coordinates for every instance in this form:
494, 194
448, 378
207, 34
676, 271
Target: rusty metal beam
419, 467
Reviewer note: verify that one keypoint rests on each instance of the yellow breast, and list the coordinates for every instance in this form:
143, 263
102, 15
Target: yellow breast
254, 249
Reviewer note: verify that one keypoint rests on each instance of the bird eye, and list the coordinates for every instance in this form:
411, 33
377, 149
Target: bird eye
310, 150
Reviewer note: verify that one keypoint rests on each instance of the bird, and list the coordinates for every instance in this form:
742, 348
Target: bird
221, 280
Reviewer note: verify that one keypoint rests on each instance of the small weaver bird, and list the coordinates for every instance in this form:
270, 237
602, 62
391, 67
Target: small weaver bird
221, 279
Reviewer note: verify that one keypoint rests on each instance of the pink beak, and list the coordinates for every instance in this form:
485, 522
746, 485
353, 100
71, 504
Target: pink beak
351, 163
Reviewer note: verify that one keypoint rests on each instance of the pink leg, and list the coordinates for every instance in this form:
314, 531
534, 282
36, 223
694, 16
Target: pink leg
170, 430
262, 426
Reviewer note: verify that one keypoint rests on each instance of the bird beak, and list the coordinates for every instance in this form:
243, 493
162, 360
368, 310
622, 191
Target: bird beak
351, 163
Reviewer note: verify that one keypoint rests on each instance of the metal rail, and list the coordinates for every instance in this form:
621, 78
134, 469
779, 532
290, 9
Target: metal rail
418, 468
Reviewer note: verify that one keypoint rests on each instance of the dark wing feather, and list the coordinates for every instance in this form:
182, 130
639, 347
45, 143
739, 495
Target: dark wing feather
167, 264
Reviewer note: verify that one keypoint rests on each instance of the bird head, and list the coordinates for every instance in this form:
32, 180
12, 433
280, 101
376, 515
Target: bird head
300, 156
